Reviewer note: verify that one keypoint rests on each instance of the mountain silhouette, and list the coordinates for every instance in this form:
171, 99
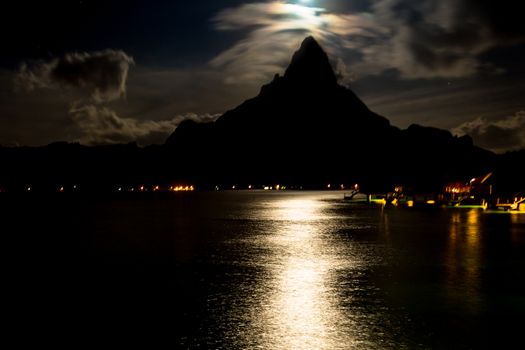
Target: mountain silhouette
303, 127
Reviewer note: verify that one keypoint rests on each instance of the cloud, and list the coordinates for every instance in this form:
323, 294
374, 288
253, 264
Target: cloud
429, 39
101, 125
275, 30
102, 73
101, 77
439, 38
424, 39
500, 136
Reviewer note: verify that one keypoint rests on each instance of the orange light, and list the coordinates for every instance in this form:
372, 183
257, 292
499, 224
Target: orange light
182, 188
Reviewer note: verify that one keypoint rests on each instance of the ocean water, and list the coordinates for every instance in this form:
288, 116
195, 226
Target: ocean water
260, 270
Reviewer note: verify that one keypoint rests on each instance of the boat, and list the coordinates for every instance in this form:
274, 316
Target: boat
356, 197
363, 198
469, 203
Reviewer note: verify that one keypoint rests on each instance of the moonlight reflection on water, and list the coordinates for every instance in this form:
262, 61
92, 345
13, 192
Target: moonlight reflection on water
270, 270
304, 261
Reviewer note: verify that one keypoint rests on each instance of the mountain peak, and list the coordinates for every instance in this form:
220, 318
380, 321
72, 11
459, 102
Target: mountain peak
310, 65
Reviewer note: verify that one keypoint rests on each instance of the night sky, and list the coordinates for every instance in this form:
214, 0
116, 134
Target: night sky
99, 72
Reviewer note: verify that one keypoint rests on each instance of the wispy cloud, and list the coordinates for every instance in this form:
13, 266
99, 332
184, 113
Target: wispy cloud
500, 135
101, 125
424, 39
275, 29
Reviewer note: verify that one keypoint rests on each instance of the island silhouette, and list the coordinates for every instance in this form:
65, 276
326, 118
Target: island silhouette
303, 129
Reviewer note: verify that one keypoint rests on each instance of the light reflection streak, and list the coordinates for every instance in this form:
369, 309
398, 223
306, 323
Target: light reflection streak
301, 309
517, 220
464, 257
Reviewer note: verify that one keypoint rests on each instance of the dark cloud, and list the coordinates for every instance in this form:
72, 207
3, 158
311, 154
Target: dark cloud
158, 94
504, 18
440, 38
101, 125
102, 73
500, 136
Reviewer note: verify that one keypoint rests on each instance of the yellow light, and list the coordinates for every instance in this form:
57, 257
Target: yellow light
410, 204
184, 188
431, 201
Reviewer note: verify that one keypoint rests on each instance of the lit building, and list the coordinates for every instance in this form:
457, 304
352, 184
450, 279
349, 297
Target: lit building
476, 187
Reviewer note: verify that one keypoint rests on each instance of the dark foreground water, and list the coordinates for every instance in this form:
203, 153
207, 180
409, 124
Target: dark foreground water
259, 270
